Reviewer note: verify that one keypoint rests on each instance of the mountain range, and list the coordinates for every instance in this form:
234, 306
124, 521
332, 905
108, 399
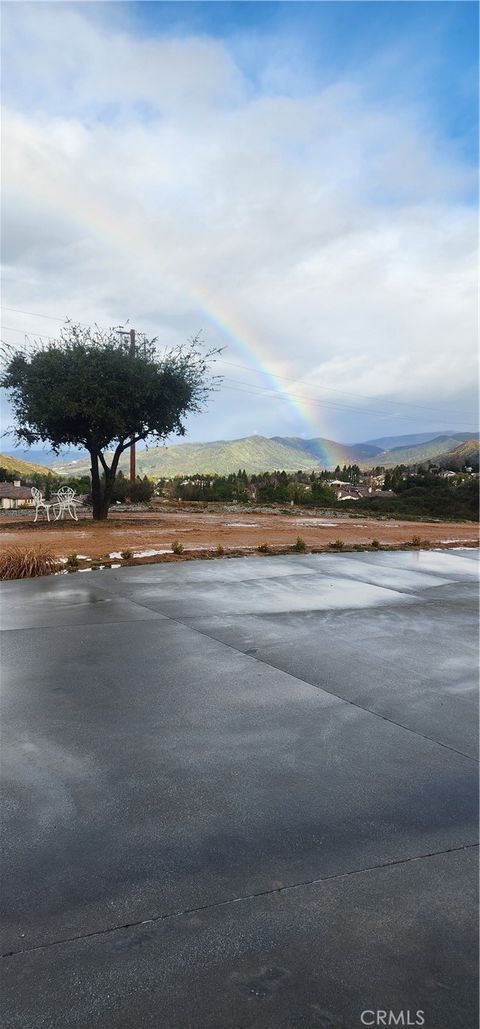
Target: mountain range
258, 454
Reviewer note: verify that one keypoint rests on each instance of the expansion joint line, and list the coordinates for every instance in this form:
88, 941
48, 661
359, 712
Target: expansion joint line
238, 900
306, 682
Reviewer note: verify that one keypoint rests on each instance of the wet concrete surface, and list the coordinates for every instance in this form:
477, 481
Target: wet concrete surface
241, 794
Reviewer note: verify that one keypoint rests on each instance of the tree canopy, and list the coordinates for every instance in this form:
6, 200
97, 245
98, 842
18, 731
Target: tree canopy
87, 389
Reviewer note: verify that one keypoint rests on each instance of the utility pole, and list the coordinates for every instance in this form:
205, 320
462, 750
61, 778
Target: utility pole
132, 445
131, 334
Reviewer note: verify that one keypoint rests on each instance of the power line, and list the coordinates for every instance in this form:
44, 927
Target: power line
309, 398
35, 314
235, 364
330, 403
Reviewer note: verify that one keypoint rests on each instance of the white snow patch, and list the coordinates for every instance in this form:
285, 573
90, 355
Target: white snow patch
454, 541
242, 525
314, 521
152, 553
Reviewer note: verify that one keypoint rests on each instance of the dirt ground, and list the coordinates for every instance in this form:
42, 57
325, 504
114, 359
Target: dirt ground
151, 534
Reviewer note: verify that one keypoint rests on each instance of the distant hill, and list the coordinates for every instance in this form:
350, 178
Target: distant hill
466, 454
254, 453
24, 468
389, 442
420, 452
44, 457
261, 454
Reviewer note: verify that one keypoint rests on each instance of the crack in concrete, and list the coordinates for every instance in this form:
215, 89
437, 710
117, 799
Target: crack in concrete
236, 900
315, 686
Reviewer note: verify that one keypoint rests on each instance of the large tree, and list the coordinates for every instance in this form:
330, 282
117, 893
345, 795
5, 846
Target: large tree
86, 389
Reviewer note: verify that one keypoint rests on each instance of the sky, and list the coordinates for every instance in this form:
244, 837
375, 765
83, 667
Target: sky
295, 180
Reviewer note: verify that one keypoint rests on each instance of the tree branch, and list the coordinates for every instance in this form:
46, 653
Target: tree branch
134, 439
103, 462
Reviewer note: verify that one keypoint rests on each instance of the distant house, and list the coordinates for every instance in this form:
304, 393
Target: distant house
346, 492
13, 495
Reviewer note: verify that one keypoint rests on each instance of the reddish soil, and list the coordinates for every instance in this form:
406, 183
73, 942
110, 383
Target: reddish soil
232, 529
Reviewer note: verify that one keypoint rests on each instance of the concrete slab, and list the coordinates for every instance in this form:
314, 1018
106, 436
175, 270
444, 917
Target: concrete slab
164, 769
64, 600
414, 661
400, 939
190, 772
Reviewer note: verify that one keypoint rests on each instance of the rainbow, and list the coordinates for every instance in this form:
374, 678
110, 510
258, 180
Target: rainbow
132, 238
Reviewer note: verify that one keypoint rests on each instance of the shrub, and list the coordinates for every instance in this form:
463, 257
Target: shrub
72, 562
300, 546
337, 545
358, 546
263, 548
16, 563
177, 547
416, 541
375, 544
126, 554
219, 551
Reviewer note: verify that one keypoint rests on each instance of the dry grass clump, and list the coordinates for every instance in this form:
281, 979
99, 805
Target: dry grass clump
18, 563
177, 547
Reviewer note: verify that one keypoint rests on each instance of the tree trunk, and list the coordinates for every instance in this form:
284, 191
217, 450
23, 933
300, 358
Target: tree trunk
108, 483
102, 487
97, 491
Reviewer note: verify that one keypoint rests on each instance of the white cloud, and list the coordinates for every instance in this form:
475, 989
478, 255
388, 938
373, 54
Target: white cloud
145, 178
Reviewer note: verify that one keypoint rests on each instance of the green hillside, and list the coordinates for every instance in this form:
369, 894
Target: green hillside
253, 453
466, 454
258, 454
23, 468
419, 453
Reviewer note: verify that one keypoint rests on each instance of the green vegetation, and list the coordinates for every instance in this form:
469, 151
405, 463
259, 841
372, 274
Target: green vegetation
258, 454
425, 495
466, 455
138, 492
86, 389
300, 546
337, 545
264, 548
72, 562
126, 554
13, 468
375, 544
306, 489
177, 547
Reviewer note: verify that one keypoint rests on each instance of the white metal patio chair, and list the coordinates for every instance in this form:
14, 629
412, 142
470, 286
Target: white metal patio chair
66, 503
40, 503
